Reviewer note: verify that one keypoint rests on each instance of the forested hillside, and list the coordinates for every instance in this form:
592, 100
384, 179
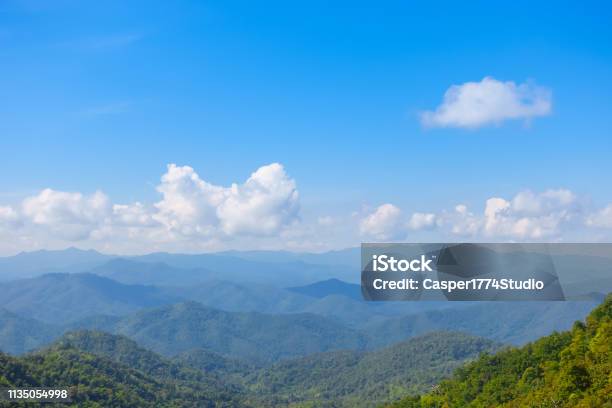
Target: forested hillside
96, 381
569, 369
366, 379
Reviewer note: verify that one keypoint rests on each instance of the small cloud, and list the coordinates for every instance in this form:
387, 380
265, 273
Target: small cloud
383, 224
601, 218
423, 221
476, 104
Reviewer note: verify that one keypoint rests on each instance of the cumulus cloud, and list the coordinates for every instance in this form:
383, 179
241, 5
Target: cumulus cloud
476, 104
265, 203
527, 215
423, 221
68, 214
263, 212
601, 218
382, 224
132, 215
530, 215
8, 216
192, 212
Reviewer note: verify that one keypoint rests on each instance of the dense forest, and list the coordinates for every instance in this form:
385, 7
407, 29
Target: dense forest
569, 369
365, 379
98, 381
104, 369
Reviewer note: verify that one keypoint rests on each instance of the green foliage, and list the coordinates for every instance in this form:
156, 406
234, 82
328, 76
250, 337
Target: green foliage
98, 381
570, 369
364, 379
258, 337
57, 298
19, 334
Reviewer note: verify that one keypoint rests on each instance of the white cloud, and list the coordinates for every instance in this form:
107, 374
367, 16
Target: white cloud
464, 222
132, 215
8, 216
531, 215
527, 215
267, 202
263, 213
601, 218
67, 214
476, 104
189, 203
326, 221
423, 221
383, 224
192, 213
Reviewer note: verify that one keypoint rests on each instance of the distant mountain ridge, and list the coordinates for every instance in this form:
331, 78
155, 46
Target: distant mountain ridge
61, 297
282, 268
177, 328
329, 287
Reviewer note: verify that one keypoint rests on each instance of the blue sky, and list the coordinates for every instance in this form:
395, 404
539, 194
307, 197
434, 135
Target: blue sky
104, 95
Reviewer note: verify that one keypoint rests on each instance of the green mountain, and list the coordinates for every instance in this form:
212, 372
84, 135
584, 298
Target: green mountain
365, 379
506, 322
19, 334
128, 271
329, 287
211, 362
569, 369
177, 328
127, 352
62, 297
96, 381
35, 263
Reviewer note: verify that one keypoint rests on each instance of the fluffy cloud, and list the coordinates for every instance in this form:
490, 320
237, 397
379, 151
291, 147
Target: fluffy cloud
530, 215
601, 218
421, 221
8, 216
263, 205
383, 224
475, 104
527, 215
70, 215
191, 213
132, 215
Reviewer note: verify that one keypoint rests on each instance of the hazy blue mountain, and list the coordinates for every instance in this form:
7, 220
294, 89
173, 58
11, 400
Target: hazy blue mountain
150, 273
19, 334
350, 257
29, 264
329, 287
237, 269
507, 322
58, 298
274, 268
367, 379
267, 299
243, 297
174, 329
